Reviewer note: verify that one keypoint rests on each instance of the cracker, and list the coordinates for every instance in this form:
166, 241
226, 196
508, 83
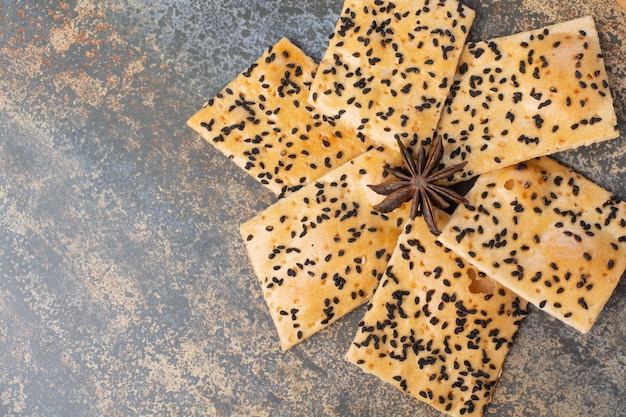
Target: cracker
547, 233
319, 252
437, 329
389, 66
527, 95
262, 122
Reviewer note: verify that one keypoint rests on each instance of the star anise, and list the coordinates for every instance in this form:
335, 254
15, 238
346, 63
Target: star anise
419, 184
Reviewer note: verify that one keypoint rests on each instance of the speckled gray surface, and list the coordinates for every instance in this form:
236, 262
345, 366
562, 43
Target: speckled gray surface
124, 287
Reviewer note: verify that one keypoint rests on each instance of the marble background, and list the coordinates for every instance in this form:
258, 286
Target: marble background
125, 289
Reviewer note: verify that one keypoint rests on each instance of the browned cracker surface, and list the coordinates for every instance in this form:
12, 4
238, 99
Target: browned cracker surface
437, 329
319, 252
527, 95
552, 236
262, 122
389, 66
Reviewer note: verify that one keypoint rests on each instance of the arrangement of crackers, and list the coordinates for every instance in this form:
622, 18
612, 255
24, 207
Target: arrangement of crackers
442, 310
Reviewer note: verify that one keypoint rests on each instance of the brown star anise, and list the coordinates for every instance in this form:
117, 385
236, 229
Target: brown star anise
419, 185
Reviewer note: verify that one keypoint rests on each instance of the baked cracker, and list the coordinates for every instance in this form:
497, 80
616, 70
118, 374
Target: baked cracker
437, 329
547, 233
261, 120
318, 253
527, 95
389, 66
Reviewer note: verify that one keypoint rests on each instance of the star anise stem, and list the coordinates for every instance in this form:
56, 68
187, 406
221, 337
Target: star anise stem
416, 181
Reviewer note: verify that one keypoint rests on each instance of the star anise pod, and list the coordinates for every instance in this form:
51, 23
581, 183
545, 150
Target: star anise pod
417, 182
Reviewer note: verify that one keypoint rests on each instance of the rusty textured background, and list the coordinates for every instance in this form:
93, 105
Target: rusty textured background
125, 289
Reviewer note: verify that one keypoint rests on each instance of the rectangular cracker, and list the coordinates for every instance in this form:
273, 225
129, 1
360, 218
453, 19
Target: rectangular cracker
527, 95
552, 236
389, 66
319, 252
437, 329
262, 122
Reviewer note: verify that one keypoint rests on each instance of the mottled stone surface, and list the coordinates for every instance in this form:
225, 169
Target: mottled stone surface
124, 286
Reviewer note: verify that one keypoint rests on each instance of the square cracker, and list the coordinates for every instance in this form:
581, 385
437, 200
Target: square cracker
552, 236
319, 252
437, 329
262, 122
389, 66
527, 95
